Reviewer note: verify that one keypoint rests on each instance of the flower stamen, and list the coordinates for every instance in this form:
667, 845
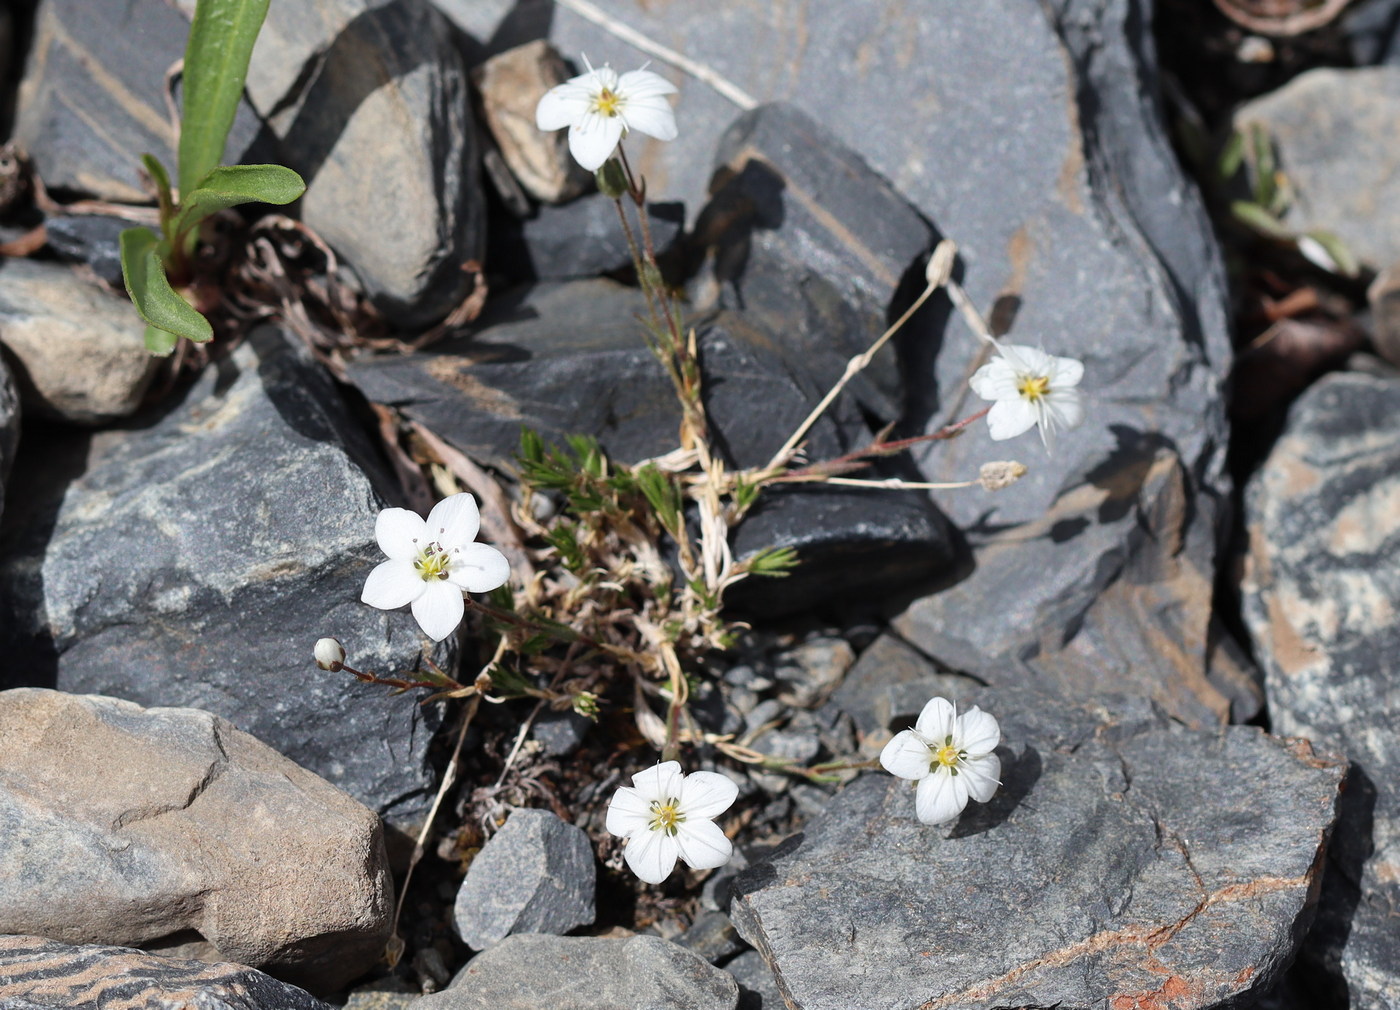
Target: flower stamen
433, 563
947, 756
666, 815
1033, 387
607, 103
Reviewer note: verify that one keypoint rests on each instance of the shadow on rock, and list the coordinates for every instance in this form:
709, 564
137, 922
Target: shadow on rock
1018, 777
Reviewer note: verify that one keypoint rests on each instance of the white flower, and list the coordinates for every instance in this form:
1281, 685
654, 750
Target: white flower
330, 654
1030, 387
599, 108
665, 814
431, 564
951, 758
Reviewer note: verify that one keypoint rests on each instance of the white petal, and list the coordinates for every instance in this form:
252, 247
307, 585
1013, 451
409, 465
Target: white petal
478, 568
439, 610
706, 795
454, 521
1065, 372
906, 756
643, 84
393, 584
981, 776
1009, 418
1064, 408
1027, 360
652, 855
702, 844
652, 116
628, 812
977, 732
563, 106
593, 139
937, 722
659, 782
599, 79
399, 532
939, 799
996, 380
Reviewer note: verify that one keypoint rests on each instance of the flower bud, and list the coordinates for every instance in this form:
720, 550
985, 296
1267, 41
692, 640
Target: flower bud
330, 655
612, 180
1000, 474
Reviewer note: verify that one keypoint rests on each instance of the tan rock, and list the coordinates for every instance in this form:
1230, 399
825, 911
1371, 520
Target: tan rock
77, 351
165, 827
511, 84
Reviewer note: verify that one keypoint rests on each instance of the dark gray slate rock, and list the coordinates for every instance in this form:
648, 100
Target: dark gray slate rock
527, 972
35, 972
1060, 186
195, 558
163, 850
90, 239
712, 936
1097, 876
370, 101
92, 100
560, 733
584, 238
1372, 28
1334, 131
569, 358
9, 425
1319, 598
535, 875
758, 989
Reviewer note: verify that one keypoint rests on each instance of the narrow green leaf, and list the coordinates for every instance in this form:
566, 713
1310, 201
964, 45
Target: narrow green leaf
1231, 156
773, 562
216, 65
234, 185
161, 178
155, 300
160, 342
1256, 217
1329, 252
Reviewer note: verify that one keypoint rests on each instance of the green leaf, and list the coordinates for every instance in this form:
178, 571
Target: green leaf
155, 300
216, 65
1231, 156
160, 342
238, 184
1259, 219
161, 178
773, 562
1332, 248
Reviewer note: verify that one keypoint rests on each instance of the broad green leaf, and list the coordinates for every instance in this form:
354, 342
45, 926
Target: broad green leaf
160, 342
228, 187
1256, 217
161, 178
1335, 256
216, 65
155, 300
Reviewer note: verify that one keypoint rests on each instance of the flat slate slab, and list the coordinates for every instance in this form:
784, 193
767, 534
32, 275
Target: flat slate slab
1126, 862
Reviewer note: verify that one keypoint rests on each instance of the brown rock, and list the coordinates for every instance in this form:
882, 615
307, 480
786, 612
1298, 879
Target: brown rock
511, 85
168, 826
77, 350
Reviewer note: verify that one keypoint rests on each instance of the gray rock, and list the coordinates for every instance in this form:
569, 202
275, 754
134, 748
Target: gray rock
889, 679
1322, 574
510, 85
568, 358
206, 832
560, 733
9, 425
370, 102
584, 238
51, 318
712, 936
1383, 295
527, 972
1335, 139
91, 239
1060, 186
1097, 871
40, 973
812, 670
195, 558
758, 989
93, 97
1373, 32
535, 875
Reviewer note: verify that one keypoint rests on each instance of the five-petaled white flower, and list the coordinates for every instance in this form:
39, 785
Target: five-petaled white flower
431, 564
665, 814
1030, 388
951, 758
600, 107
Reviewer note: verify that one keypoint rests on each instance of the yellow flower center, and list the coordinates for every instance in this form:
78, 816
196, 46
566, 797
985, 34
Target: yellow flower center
665, 816
1033, 387
433, 563
608, 103
948, 756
